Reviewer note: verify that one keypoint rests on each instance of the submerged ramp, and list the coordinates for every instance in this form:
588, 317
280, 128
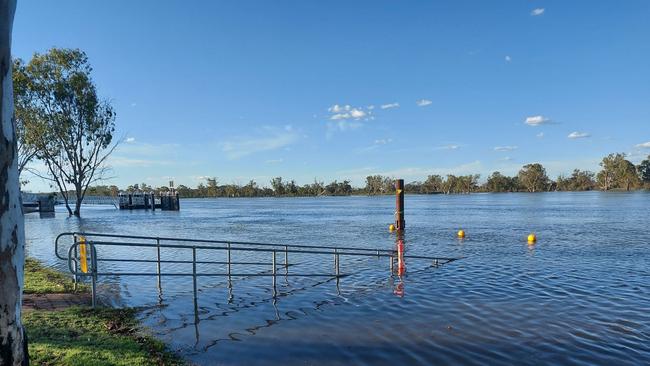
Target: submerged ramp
94, 255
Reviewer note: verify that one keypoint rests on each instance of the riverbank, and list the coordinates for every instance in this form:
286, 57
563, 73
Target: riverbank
60, 334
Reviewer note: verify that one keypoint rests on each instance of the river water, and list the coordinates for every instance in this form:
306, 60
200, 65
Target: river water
581, 295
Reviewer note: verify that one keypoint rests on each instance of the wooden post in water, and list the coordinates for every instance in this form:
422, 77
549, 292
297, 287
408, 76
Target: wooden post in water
400, 224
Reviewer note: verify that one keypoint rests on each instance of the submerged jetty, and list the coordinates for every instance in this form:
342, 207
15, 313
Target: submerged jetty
139, 200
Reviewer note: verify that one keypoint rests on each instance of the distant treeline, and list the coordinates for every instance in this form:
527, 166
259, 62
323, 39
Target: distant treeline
616, 173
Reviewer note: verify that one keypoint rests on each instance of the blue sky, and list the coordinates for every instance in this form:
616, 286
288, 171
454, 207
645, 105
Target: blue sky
342, 89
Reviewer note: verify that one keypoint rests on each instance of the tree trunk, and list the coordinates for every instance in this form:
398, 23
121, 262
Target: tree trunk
77, 205
13, 350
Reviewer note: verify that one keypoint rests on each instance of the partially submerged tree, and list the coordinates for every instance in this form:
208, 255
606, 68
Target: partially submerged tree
533, 177
498, 182
617, 172
644, 171
13, 350
75, 128
580, 180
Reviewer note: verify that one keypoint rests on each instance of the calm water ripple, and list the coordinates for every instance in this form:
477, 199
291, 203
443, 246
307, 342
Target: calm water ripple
580, 296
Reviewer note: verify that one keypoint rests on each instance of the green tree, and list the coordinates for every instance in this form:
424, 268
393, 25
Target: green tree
533, 177
644, 171
617, 172
25, 116
212, 187
432, 184
278, 187
74, 126
374, 185
580, 180
498, 182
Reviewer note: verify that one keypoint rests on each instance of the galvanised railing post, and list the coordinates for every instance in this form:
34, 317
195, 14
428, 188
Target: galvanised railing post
158, 252
338, 264
273, 263
74, 277
228, 260
336, 261
286, 257
194, 274
93, 263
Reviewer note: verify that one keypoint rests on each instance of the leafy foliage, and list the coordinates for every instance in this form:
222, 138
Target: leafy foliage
533, 177
617, 173
68, 126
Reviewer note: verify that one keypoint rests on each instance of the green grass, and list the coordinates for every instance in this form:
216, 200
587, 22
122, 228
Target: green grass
82, 336
43, 280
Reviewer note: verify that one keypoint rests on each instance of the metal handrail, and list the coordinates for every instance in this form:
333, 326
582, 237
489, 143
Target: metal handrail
205, 241
230, 246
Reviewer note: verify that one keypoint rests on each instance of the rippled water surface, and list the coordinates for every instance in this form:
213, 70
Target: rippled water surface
581, 295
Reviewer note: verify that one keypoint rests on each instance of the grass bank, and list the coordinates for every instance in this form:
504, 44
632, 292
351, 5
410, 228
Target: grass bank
81, 336
85, 337
44, 280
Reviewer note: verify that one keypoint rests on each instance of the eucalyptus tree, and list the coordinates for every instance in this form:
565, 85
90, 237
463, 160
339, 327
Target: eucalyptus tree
617, 172
13, 344
25, 116
644, 171
374, 185
74, 126
432, 184
580, 180
533, 177
498, 182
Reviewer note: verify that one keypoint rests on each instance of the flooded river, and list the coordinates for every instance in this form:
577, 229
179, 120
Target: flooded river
581, 295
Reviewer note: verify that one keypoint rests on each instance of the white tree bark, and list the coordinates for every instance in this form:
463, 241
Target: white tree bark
12, 232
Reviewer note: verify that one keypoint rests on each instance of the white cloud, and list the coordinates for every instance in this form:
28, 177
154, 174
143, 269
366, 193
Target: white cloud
383, 141
343, 112
537, 120
130, 139
423, 102
357, 113
273, 139
537, 12
508, 58
134, 104
645, 145
505, 148
578, 135
274, 161
123, 161
338, 108
390, 105
448, 147
540, 135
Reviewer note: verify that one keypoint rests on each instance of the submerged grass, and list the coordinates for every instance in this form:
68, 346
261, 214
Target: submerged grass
81, 336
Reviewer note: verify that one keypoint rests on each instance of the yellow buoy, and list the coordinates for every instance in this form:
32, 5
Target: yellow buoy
461, 233
391, 228
532, 238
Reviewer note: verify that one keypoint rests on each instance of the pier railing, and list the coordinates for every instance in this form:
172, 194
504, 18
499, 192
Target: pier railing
83, 259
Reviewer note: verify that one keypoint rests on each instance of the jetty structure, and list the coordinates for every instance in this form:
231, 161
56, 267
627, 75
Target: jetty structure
138, 200
165, 201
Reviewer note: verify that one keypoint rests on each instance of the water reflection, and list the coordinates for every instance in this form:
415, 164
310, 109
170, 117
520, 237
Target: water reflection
400, 248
